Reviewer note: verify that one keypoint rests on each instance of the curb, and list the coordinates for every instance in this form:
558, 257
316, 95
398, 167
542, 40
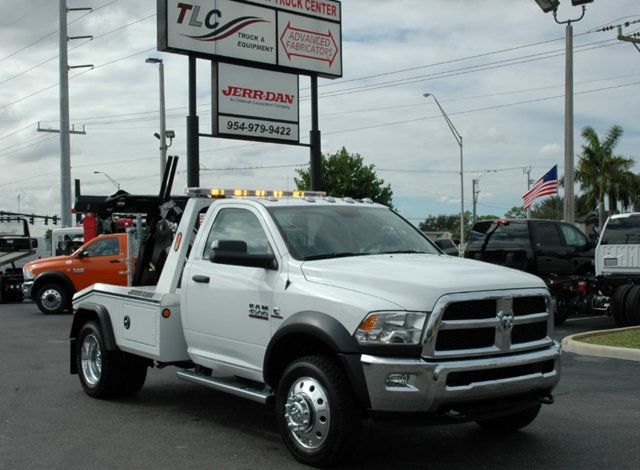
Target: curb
573, 344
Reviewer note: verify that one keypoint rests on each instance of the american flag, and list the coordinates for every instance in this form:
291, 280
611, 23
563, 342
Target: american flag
545, 186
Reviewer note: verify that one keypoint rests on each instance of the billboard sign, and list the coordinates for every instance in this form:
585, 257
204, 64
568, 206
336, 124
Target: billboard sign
303, 36
261, 106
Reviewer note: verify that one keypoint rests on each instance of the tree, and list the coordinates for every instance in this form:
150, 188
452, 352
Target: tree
548, 208
516, 212
601, 173
447, 223
346, 175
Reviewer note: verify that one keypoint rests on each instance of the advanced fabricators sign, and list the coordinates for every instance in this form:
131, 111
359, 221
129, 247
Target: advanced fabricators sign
260, 105
304, 36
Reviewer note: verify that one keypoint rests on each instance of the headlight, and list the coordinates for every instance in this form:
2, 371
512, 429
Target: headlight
28, 275
391, 328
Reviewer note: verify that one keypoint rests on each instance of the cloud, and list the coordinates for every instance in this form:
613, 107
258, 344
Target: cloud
497, 68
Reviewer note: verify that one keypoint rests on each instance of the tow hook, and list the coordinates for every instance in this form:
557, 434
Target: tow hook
546, 399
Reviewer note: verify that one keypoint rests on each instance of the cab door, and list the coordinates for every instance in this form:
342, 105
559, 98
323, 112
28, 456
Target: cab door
227, 306
103, 259
551, 252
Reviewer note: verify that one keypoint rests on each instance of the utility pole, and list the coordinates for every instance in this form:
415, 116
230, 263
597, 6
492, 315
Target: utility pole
475, 191
527, 171
634, 38
65, 143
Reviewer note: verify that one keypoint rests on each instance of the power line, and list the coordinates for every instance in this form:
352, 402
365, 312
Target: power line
463, 70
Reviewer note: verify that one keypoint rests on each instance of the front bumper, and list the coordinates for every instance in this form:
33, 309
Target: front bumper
27, 287
418, 385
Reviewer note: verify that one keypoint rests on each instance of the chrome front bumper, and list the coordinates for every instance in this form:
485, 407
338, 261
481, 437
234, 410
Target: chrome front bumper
26, 289
402, 385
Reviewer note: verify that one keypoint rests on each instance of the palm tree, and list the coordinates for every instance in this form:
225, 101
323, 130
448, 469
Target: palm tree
600, 173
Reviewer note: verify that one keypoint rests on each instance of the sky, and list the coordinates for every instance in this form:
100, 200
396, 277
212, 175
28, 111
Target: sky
496, 67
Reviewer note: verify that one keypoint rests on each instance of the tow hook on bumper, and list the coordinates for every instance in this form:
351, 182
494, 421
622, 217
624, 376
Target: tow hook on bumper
546, 399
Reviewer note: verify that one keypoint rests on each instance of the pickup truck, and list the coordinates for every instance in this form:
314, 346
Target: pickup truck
556, 251
332, 309
618, 267
51, 282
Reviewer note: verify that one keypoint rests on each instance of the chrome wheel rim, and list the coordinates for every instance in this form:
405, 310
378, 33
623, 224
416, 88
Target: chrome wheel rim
51, 299
91, 359
306, 413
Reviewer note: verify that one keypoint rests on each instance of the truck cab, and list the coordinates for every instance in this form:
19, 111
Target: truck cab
540, 247
51, 282
618, 267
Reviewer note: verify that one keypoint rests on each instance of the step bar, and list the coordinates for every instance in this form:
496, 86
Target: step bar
232, 387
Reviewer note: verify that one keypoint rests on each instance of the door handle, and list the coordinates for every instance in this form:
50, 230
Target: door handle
115, 261
200, 278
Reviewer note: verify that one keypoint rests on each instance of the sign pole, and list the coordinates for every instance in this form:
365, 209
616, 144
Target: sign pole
193, 125
315, 167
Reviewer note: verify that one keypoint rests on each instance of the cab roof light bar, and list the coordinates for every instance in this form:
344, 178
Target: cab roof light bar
221, 193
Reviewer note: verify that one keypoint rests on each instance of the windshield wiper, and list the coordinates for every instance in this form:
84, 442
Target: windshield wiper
332, 255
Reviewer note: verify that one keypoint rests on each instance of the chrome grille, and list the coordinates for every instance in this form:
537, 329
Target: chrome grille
488, 323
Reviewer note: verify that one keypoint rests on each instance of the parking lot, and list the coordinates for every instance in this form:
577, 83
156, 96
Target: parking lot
46, 421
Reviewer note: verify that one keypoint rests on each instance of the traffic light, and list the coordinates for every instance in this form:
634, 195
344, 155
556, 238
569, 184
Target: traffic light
31, 219
55, 220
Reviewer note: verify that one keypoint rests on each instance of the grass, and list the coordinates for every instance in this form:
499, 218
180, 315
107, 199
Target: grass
621, 339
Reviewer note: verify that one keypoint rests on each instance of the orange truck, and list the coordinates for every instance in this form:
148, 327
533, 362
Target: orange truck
51, 282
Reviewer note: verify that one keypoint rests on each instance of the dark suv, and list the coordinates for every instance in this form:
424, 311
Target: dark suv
541, 247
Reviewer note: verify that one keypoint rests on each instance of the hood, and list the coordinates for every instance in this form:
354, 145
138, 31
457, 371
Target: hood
415, 281
48, 264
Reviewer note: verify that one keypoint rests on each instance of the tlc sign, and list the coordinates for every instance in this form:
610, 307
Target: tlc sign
304, 36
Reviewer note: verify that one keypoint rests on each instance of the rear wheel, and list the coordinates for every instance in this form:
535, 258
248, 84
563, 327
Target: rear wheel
619, 305
560, 311
632, 311
106, 373
511, 422
317, 413
52, 298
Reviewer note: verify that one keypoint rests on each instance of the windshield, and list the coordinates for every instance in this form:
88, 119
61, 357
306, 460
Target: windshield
13, 227
318, 232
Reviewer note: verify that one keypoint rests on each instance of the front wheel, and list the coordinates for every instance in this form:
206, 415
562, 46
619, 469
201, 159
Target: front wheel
511, 422
52, 298
317, 413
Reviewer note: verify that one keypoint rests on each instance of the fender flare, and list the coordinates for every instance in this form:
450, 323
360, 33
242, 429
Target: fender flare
52, 276
326, 330
85, 312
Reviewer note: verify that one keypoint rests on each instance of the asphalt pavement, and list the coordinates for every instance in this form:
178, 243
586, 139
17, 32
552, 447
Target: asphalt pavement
47, 422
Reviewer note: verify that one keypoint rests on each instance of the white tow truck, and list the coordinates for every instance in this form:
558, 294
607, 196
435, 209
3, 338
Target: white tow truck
333, 309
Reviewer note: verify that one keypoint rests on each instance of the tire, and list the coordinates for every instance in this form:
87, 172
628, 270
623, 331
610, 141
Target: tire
135, 371
513, 422
560, 310
103, 373
619, 304
317, 413
632, 311
52, 298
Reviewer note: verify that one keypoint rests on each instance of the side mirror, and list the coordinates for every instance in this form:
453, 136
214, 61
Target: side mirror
234, 252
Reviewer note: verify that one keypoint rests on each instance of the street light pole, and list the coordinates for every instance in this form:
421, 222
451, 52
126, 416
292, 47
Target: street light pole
458, 138
163, 118
552, 5
115, 183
